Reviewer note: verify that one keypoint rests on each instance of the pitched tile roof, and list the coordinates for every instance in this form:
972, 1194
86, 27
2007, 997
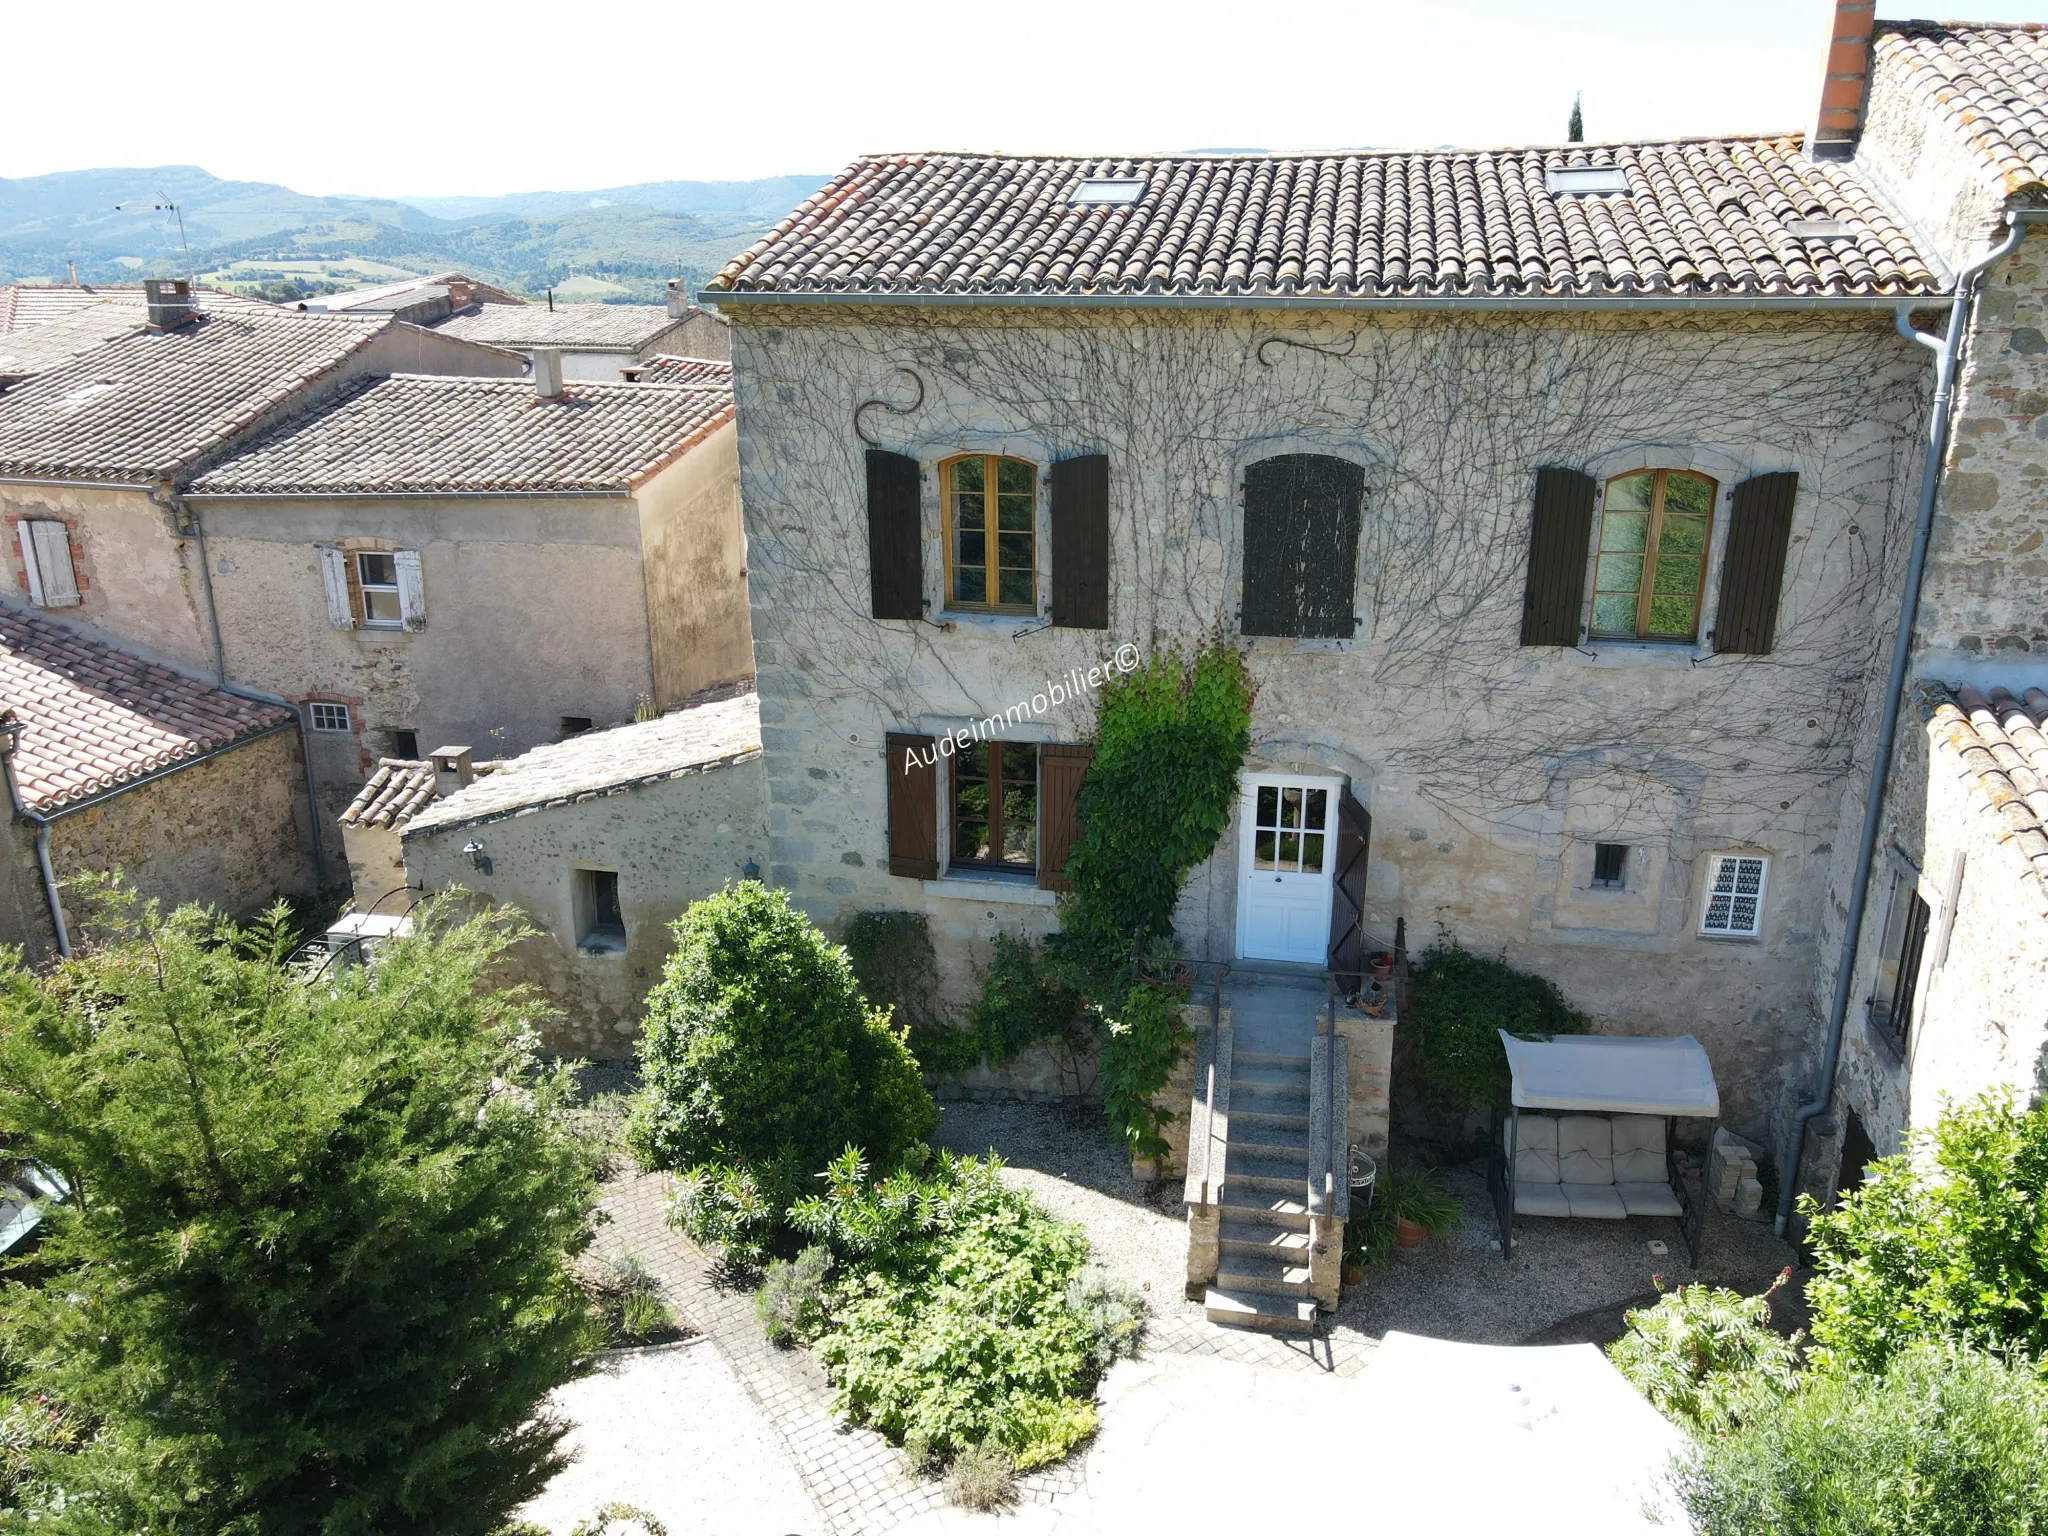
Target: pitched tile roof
2002, 741
38, 348
458, 287
698, 739
1985, 82
666, 368
26, 304
95, 717
576, 327
415, 434
151, 404
1705, 216
395, 792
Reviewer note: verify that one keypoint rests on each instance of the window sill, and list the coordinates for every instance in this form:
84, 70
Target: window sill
1731, 938
983, 618
602, 944
974, 885
1638, 653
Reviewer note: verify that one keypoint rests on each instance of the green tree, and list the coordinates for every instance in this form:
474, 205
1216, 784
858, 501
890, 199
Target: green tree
315, 1276
1575, 130
1949, 1243
759, 1050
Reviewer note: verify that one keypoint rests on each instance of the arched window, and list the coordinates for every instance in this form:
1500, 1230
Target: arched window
991, 513
1301, 513
1654, 527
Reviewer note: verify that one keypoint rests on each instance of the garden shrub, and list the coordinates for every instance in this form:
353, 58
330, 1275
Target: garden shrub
318, 1275
1146, 1036
893, 959
1946, 1442
1954, 1248
627, 1298
759, 1051
1706, 1356
1113, 1312
982, 1478
1455, 1004
726, 1208
1027, 997
791, 1302
949, 1324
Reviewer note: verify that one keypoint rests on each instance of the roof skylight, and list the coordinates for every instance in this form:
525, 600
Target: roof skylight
1585, 180
1819, 229
1108, 191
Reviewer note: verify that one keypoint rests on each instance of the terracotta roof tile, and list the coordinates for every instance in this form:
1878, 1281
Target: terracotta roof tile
95, 717
150, 404
2001, 741
1986, 82
26, 304
420, 434
398, 790
667, 368
575, 327
1707, 216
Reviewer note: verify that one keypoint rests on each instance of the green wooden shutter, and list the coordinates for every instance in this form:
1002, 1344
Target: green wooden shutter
895, 536
1080, 542
913, 805
1301, 517
1753, 573
1560, 541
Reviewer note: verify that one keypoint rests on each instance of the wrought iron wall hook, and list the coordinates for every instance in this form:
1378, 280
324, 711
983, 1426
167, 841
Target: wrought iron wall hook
894, 410
1350, 346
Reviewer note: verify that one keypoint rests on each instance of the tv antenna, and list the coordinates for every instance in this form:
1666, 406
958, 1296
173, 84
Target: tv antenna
164, 204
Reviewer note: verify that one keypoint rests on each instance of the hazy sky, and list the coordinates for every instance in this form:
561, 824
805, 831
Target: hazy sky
400, 101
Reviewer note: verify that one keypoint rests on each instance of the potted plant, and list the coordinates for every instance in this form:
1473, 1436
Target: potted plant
1421, 1207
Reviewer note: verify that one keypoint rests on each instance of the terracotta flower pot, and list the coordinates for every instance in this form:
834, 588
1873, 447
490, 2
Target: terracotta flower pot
1354, 1274
1407, 1233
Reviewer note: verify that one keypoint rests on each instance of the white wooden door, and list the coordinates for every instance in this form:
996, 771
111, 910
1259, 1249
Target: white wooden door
1286, 855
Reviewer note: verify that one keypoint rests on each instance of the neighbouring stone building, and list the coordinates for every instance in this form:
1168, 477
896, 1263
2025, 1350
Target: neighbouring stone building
602, 841
122, 763
596, 341
428, 560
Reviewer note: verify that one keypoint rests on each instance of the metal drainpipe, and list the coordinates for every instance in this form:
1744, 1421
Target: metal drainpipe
42, 826
1948, 353
186, 524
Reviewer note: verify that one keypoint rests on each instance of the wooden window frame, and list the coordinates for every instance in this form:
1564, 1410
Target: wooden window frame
1652, 541
995, 781
1901, 956
990, 531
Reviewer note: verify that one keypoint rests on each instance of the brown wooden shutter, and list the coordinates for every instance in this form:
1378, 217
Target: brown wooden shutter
1560, 540
913, 805
1060, 772
1759, 530
895, 536
1080, 542
1347, 906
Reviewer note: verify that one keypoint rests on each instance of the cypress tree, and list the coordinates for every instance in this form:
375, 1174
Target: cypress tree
1575, 130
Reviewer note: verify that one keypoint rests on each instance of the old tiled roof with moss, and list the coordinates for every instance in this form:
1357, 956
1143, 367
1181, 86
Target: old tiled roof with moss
572, 327
422, 434
95, 717
2001, 740
1699, 217
151, 404
25, 304
1984, 81
666, 368
398, 790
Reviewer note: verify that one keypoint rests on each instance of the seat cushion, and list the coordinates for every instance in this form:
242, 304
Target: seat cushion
1639, 1149
1595, 1200
1652, 1197
1541, 1200
1585, 1150
1533, 1133
1533, 1165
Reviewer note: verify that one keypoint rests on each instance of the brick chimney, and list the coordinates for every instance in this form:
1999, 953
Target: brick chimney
168, 302
452, 770
1845, 81
547, 373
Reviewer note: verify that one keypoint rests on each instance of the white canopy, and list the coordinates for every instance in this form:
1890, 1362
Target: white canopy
1613, 1074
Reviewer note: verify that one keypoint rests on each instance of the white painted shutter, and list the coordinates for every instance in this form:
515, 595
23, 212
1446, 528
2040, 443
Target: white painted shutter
59, 582
28, 561
334, 572
412, 597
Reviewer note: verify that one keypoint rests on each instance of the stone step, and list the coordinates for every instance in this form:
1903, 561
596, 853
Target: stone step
1286, 1112
1284, 1173
1263, 1274
1270, 1136
1264, 1208
1262, 1237
1274, 1072
1251, 1309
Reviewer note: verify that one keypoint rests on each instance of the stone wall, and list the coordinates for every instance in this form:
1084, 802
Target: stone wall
671, 843
1489, 769
694, 558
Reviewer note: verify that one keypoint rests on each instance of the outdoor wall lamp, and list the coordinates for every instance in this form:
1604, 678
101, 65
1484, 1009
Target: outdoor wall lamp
478, 859
750, 869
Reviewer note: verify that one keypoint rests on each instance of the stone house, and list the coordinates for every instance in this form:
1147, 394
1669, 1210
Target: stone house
1937, 994
117, 761
504, 562
421, 300
596, 341
602, 841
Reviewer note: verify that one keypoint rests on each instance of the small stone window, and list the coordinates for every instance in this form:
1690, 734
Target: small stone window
330, 717
404, 745
600, 921
1610, 866
991, 525
574, 725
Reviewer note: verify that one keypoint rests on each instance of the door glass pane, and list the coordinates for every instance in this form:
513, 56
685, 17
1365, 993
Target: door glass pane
1013, 514
1269, 806
1262, 850
1290, 806
1318, 809
1290, 850
1312, 853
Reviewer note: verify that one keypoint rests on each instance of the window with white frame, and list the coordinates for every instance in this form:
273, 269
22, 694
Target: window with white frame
373, 588
377, 580
46, 562
1735, 895
329, 717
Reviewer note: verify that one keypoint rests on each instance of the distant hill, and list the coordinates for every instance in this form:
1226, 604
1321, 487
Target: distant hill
620, 242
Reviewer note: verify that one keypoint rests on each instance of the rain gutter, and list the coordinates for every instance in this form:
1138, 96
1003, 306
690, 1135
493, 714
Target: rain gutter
1456, 304
1948, 351
42, 825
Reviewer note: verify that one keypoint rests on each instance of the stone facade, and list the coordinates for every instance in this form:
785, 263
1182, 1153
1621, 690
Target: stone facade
1489, 769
